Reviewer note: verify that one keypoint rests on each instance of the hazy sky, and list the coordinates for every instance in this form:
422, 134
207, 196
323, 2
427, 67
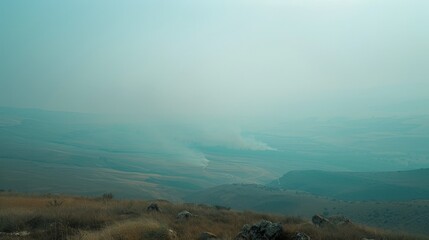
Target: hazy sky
217, 58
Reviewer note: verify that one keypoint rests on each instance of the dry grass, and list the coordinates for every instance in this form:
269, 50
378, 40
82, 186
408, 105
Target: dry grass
78, 218
130, 229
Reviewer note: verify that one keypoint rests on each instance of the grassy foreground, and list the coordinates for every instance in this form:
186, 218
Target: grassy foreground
65, 217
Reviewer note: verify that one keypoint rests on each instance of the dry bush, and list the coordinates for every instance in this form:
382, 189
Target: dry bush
129, 230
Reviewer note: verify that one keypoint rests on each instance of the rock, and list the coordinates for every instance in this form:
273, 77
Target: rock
17, 234
301, 236
330, 221
23, 233
264, 230
171, 234
320, 221
184, 215
153, 207
207, 236
339, 220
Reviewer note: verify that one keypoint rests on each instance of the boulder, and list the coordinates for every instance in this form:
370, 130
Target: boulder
172, 235
265, 230
184, 215
301, 236
153, 207
207, 236
320, 221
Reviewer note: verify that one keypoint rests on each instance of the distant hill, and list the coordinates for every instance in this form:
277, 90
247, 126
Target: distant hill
381, 186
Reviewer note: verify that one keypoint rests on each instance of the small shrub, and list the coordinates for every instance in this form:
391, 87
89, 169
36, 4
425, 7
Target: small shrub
107, 196
55, 203
218, 207
59, 231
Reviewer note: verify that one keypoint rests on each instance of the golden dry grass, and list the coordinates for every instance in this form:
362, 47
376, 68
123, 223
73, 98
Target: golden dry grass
129, 229
79, 218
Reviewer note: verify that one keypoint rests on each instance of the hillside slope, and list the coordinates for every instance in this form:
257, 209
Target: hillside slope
382, 186
410, 216
62, 217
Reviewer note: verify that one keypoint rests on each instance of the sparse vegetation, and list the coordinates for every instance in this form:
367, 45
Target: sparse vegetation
55, 203
80, 218
107, 196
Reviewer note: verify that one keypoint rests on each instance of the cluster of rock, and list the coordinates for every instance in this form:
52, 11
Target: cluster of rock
183, 215
300, 236
153, 207
264, 230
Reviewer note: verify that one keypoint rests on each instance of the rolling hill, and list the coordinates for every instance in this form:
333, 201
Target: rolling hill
358, 186
410, 216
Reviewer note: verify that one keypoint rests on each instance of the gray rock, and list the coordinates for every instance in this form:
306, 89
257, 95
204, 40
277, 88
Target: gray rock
207, 236
301, 236
171, 234
153, 207
184, 215
320, 221
17, 234
264, 230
